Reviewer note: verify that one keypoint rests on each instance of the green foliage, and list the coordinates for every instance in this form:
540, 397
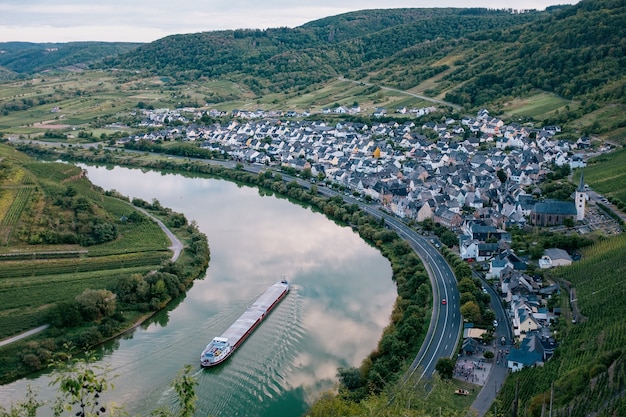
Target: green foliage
282, 58
73, 290
445, 367
83, 386
81, 383
535, 242
607, 173
409, 397
96, 304
557, 54
29, 58
184, 385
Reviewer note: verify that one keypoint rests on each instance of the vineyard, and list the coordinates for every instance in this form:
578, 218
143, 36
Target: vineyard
12, 216
36, 268
26, 299
607, 174
588, 371
34, 275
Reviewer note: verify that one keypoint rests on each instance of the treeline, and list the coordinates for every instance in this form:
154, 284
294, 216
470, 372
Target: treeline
186, 150
475, 303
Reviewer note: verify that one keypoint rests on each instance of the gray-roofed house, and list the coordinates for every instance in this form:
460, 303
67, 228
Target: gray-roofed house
554, 257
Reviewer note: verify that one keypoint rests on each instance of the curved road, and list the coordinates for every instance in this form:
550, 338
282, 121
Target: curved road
408, 93
176, 246
445, 326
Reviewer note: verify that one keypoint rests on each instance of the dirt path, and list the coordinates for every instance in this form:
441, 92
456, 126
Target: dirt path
23, 335
432, 100
176, 246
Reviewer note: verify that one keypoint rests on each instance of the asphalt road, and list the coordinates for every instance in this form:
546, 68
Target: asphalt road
446, 321
499, 371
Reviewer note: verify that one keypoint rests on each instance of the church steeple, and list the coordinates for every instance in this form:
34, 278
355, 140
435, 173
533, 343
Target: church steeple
581, 197
581, 184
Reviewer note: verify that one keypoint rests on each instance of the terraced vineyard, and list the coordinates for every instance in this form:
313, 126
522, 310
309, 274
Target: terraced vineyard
607, 174
12, 215
35, 272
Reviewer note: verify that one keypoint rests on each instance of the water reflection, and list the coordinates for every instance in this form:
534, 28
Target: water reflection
341, 300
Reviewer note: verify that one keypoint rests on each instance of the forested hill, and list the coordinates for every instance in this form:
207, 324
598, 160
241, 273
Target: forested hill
478, 55
18, 58
576, 52
282, 58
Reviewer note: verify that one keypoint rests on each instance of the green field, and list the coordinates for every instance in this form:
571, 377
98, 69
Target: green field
537, 106
607, 174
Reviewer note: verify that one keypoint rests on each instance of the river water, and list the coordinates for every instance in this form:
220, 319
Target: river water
341, 299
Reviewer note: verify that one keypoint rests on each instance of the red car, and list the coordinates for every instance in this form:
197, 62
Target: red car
443, 301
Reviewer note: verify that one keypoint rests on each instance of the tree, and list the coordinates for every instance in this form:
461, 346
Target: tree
471, 311
96, 304
65, 314
445, 367
449, 239
81, 384
501, 176
184, 384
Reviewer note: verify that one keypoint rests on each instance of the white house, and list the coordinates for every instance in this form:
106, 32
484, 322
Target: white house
554, 257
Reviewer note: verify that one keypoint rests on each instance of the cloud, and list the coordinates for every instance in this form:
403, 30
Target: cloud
145, 21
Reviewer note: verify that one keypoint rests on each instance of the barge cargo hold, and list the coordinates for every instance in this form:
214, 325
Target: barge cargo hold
223, 346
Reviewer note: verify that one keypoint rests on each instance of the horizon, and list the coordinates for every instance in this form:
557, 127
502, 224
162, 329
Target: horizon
145, 21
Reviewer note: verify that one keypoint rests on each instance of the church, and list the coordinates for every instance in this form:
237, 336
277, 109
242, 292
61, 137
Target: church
554, 213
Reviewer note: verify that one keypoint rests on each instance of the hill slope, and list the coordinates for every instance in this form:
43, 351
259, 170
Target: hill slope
586, 375
498, 54
27, 58
277, 59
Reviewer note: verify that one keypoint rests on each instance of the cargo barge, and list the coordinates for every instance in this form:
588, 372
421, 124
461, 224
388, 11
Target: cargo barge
223, 346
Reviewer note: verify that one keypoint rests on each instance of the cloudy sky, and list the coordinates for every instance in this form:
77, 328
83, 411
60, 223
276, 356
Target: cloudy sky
147, 20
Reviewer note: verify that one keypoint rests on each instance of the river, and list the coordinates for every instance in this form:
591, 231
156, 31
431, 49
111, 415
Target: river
341, 298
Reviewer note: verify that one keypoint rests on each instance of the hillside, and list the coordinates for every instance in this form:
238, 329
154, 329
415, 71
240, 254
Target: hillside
284, 58
22, 58
557, 53
498, 54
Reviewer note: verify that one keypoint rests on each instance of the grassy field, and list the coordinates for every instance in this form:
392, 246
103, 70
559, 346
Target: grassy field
537, 106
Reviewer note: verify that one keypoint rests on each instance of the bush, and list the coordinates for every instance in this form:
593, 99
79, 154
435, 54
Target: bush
32, 361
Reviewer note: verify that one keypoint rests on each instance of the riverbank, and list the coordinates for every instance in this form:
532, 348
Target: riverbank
48, 290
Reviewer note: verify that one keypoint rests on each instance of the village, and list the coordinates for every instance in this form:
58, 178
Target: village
477, 176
